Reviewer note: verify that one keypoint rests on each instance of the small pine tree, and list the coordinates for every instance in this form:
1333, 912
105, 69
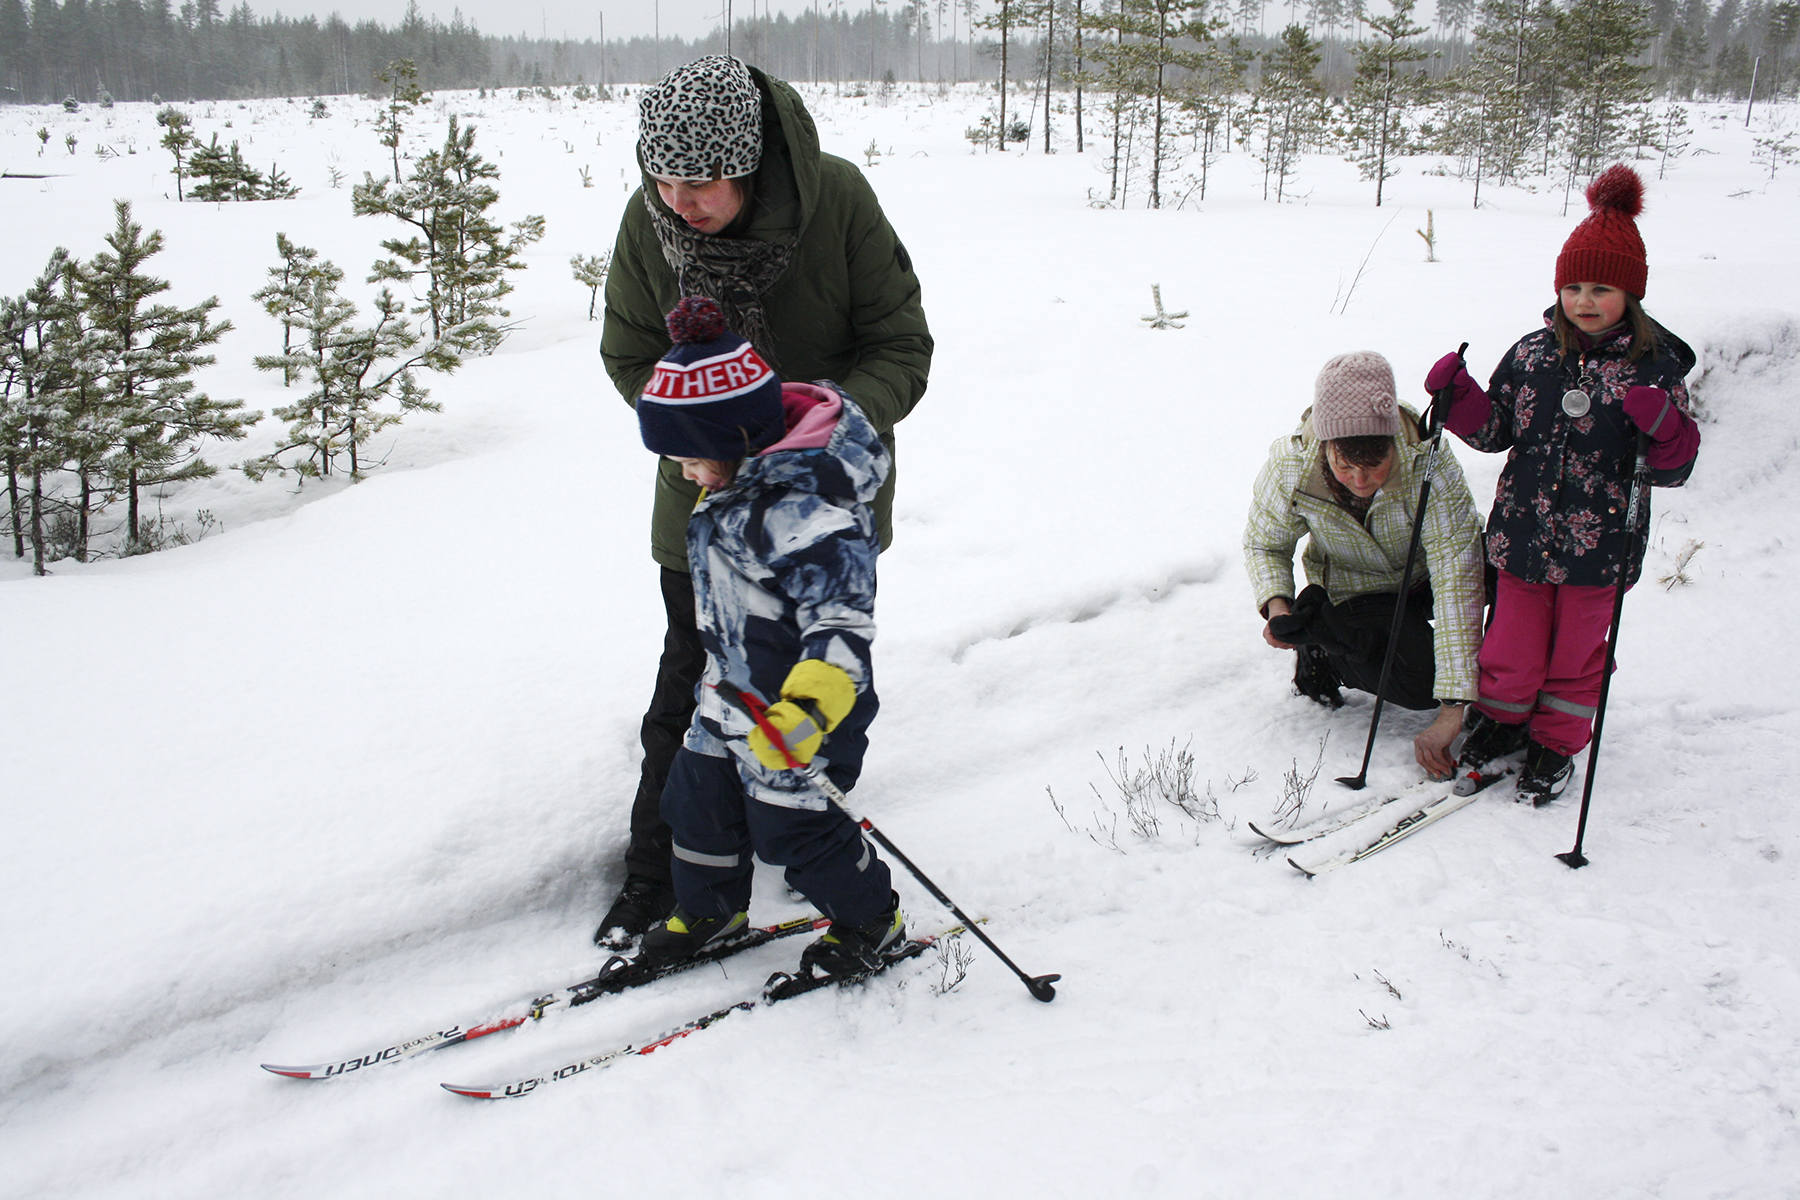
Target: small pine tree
177, 139
353, 372
1385, 94
1597, 43
289, 294
1154, 43
32, 370
146, 355
592, 272
401, 78
1677, 132
458, 252
1286, 107
1003, 18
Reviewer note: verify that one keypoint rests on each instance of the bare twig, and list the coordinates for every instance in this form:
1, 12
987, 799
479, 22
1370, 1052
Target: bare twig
1295, 788
1341, 306
953, 959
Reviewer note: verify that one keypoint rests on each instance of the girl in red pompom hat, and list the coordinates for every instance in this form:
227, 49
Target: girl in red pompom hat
1567, 403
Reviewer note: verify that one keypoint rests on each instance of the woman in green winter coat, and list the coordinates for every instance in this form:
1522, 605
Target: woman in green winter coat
1348, 481
738, 203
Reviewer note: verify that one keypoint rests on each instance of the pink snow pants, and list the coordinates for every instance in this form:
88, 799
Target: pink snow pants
1543, 659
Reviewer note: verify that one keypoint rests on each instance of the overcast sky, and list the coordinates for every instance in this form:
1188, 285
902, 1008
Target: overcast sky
577, 19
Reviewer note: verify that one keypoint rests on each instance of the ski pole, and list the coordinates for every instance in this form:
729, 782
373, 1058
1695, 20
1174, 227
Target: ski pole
1039, 985
1440, 401
1640, 477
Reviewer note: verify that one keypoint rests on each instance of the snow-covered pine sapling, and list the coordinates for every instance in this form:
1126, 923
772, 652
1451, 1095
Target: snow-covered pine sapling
145, 356
289, 296
1429, 233
592, 272
177, 139
871, 152
587, 178
1774, 151
458, 253
35, 422
43, 136
353, 371
318, 112
1160, 319
70, 141
229, 177
1386, 92
402, 80
981, 134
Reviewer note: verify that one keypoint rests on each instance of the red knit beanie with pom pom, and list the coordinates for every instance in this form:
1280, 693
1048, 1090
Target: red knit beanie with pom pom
1606, 247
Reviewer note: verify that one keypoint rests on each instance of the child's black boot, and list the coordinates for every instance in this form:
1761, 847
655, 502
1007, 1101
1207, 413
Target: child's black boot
847, 950
1546, 774
1489, 739
684, 935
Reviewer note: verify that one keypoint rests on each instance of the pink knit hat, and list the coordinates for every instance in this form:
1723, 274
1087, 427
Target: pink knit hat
1354, 397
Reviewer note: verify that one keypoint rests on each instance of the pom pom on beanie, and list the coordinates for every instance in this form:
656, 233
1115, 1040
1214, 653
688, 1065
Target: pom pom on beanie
1606, 248
695, 319
1354, 397
712, 396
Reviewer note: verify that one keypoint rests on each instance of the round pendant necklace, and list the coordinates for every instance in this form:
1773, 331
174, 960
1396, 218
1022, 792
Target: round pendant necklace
1576, 401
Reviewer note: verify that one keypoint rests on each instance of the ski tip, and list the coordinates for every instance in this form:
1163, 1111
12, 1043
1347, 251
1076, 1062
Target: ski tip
293, 1072
473, 1093
1301, 869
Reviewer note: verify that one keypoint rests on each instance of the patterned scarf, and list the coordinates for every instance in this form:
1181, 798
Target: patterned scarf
733, 271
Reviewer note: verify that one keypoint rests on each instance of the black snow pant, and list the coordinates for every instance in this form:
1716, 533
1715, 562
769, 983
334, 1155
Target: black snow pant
665, 722
717, 827
1354, 636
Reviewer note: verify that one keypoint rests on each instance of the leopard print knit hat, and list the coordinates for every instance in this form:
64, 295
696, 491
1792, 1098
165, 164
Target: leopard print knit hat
703, 121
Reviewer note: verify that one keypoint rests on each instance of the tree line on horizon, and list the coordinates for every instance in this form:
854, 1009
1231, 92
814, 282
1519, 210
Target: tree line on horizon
96, 51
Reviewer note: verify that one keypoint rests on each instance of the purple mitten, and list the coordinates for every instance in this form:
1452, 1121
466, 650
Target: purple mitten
1674, 438
1469, 407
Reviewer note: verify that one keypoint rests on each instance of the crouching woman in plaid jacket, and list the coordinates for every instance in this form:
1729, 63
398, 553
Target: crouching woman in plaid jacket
1348, 481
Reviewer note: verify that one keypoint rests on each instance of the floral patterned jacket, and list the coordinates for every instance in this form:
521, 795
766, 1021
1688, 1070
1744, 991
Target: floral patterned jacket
1559, 511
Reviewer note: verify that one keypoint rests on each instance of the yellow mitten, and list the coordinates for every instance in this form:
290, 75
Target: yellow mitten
816, 684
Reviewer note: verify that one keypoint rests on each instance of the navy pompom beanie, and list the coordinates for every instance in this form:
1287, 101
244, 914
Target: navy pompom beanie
712, 396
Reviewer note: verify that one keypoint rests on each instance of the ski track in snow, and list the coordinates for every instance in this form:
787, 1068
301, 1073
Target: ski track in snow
356, 767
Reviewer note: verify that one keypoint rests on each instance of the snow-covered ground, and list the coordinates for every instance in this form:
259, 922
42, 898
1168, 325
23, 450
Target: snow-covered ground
356, 766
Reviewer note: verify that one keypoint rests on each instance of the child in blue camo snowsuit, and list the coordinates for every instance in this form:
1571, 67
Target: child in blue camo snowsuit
782, 547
